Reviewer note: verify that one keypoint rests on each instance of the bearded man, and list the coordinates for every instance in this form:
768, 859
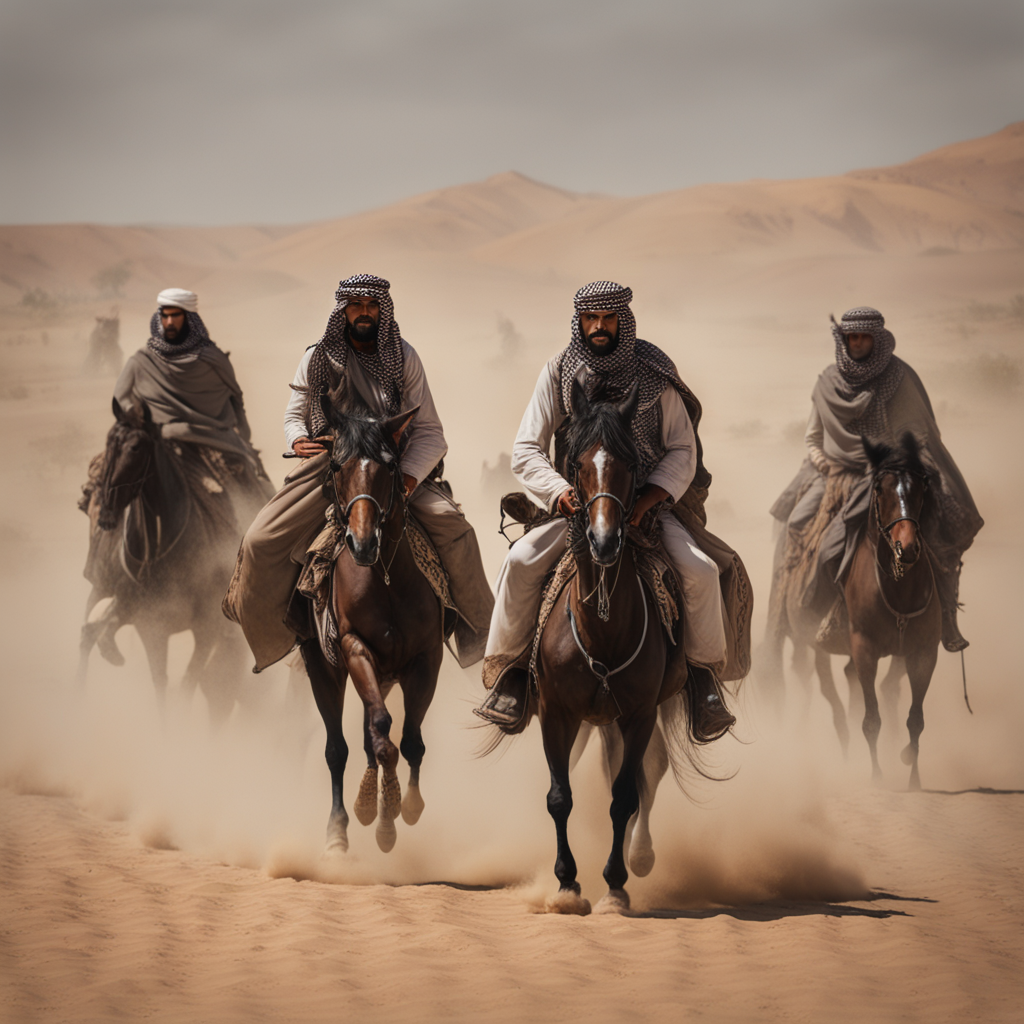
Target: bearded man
868, 392
195, 401
609, 359
361, 343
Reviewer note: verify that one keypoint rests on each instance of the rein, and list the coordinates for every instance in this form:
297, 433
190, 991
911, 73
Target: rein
598, 668
898, 567
383, 515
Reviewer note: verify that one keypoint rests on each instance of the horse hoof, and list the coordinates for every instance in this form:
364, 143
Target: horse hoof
614, 901
387, 834
907, 754
641, 860
337, 836
567, 901
412, 805
390, 798
366, 801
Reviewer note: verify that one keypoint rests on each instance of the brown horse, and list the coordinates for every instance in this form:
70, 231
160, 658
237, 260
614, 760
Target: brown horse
167, 564
387, 623
890, 591
603, 656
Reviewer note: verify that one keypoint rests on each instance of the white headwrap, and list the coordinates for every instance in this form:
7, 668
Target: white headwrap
179, 297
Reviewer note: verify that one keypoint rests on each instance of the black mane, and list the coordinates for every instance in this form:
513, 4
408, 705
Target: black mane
905, 458
358, 434
601, 423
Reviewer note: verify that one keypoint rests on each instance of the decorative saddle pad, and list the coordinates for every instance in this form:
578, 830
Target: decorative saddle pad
655, 571
317, 575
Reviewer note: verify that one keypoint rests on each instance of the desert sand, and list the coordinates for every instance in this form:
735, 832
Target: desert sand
151, 868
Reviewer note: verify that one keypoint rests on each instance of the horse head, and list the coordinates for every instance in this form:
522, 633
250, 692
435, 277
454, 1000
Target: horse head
131, 443
603, 458
365, 477
900, 486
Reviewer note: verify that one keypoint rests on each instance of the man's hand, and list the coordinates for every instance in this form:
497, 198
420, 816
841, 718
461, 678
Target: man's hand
411, 483
567, 505
307, 449
650, 495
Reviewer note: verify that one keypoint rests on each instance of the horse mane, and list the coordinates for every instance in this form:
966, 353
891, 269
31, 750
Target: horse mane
904, 458
599, 420
358, 432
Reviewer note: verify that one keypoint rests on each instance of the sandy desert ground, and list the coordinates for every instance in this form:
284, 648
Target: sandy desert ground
153, 869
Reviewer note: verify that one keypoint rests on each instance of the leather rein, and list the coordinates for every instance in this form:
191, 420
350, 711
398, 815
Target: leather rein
343, 514
604, 595
898, 568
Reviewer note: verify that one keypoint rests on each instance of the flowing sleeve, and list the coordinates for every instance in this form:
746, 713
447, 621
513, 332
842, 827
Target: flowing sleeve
295, 410
531, 460
427, 446
678, 465
814, 438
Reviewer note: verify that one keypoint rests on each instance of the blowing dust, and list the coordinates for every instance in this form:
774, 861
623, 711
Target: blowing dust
256, 792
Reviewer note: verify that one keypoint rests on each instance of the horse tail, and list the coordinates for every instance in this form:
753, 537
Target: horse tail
685, 756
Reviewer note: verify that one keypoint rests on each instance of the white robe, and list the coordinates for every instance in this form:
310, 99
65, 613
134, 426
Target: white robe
530, 559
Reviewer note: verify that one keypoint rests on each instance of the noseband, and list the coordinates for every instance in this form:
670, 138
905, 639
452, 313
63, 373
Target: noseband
383, 514
604, 595
896, 547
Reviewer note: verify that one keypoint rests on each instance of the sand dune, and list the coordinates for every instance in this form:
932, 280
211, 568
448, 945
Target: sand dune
153, 869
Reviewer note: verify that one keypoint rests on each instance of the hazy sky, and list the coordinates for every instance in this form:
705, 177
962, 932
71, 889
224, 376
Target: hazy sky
220, 111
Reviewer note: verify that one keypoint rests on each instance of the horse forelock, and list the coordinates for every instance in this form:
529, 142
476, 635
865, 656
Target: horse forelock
602, 425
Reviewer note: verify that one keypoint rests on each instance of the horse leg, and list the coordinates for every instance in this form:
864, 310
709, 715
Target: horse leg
867, 668
920, 666
417, 692
890, 686
636, 735
329, 693
559, 730
639, 851
855, 704
380, 750
90, 633
366, 799
154, 640
823, 666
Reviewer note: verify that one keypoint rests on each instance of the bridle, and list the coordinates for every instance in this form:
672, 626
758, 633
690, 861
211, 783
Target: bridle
895, 546
604, 595
343, 515
898, 568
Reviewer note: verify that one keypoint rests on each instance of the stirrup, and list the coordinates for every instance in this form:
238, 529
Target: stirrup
505, 704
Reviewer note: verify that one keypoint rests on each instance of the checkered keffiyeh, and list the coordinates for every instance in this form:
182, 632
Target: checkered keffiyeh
633, 360
196, 337
385, 365
880, 373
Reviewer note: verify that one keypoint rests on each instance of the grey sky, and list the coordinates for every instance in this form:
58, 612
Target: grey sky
229, 111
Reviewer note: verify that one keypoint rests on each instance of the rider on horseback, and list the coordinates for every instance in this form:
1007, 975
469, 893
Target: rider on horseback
605, 354
361, 342
868, 392
188, 389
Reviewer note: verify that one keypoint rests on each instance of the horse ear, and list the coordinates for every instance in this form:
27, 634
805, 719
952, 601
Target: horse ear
876, 453
910, 444
119, 413
147, 414
578, 399
395, 426
628, 406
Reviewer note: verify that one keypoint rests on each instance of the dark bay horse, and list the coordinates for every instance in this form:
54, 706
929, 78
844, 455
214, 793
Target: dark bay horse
603, 655
388, 618
891, 595
166, 562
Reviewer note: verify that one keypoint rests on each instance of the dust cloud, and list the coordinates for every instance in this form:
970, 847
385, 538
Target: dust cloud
749, 333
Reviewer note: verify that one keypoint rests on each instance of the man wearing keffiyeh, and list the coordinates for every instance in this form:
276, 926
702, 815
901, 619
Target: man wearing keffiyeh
361, 338
605, 352
867, 392
189, 387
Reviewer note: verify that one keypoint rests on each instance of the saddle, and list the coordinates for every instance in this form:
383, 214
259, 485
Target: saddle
653, 566
312, 595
